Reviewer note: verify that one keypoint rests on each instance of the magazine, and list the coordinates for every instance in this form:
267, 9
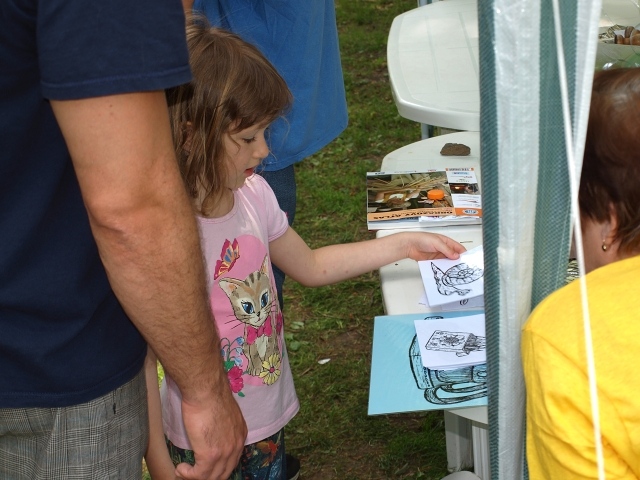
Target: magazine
410, 199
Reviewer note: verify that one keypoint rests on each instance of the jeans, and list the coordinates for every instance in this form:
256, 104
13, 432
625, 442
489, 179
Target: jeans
256, 461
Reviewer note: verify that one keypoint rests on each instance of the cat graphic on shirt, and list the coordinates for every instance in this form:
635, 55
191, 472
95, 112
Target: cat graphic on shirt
252, 300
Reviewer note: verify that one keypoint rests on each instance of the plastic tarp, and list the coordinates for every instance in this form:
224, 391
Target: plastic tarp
525, 178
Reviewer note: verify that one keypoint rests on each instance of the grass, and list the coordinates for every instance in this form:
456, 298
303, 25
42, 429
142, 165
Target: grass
332, 435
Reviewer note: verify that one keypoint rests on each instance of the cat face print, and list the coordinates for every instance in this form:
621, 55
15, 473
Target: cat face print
250, 298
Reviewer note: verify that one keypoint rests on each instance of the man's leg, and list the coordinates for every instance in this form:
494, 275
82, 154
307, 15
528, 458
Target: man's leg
100, 439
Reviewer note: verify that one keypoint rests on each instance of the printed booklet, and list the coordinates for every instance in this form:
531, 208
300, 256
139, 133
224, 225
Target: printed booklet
422, 199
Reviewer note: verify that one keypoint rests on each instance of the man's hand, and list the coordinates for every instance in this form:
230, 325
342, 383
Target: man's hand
217, 432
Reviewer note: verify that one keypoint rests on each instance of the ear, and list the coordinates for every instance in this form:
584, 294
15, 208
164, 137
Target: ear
610, 227
265, 266
229, 285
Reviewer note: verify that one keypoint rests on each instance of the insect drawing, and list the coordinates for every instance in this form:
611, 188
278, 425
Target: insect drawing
449, 282
447, 387
460, 343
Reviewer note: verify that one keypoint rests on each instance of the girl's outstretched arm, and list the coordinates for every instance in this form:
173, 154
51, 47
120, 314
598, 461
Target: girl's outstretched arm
334, 263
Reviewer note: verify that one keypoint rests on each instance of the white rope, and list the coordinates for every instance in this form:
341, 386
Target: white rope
575, 212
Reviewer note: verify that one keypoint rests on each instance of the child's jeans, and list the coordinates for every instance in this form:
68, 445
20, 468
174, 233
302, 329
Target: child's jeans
264, 460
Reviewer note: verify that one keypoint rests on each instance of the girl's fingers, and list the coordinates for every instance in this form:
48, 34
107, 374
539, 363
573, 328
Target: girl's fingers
450, 248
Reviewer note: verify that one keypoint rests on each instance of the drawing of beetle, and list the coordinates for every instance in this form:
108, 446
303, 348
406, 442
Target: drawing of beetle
460, 343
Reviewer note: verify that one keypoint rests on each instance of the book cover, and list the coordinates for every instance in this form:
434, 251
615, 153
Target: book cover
431, 197
401, 383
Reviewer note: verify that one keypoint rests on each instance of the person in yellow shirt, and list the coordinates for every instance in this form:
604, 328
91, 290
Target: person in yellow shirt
560, 431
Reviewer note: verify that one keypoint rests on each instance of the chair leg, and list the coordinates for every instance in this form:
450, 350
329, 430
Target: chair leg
459, 442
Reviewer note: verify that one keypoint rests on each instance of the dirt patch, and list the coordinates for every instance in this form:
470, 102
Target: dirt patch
351, 339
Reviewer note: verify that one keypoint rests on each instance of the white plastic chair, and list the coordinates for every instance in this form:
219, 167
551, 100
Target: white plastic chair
462, 476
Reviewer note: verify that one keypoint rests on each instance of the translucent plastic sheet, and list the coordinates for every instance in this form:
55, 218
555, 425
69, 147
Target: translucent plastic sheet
526, 227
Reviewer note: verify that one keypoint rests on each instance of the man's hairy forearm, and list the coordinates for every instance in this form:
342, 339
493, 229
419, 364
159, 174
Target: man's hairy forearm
154, 263
145, 228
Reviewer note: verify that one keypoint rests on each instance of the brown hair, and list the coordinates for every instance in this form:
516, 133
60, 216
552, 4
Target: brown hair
233, 87
610, 180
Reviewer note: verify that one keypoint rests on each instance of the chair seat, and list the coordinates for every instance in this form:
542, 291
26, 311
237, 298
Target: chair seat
462, 476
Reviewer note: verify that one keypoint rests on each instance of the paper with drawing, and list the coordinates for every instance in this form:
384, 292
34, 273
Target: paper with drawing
401, 383
452, 342
448, 281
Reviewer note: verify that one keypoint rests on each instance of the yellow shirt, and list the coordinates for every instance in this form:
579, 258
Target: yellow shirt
560, 442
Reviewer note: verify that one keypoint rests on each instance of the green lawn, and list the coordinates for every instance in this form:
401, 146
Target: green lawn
333, 435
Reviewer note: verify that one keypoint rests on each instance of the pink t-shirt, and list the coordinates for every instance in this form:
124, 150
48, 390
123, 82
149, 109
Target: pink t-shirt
248, 317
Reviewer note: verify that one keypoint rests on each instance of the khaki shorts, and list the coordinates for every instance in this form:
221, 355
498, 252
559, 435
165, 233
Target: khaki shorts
101, 439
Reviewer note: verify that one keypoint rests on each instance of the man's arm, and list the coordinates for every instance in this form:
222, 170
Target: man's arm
148, 240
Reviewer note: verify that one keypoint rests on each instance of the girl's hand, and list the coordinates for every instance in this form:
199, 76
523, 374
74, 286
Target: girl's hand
429, 246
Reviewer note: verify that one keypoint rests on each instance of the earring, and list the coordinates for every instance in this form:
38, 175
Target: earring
604, 246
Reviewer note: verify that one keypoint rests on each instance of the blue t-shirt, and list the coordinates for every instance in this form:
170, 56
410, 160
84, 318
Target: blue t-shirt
300, 38
64, 338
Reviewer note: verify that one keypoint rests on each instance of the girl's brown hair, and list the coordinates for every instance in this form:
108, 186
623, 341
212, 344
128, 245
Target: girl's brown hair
233, 87
610, 180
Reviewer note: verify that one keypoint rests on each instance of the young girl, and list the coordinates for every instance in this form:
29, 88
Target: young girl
219, 124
